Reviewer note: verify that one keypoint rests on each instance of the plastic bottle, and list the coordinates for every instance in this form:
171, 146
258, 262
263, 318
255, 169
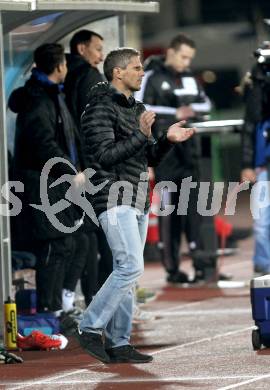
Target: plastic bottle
11, 329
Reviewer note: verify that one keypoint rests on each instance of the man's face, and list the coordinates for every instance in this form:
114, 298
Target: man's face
181, 58
92, 51
62, 71
133, 74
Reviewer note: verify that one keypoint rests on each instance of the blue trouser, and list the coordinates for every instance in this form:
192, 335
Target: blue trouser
261, 258
111, 309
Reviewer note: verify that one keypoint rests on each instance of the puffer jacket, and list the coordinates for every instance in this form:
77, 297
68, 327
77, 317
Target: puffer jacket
116, 148
43, 131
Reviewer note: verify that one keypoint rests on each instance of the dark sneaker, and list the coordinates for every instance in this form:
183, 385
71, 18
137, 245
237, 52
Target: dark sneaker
127, 354
179, 277
93, 344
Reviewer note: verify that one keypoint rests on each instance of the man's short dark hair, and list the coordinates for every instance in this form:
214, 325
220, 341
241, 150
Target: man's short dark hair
48, 56
181, 39
118, 58
82, 36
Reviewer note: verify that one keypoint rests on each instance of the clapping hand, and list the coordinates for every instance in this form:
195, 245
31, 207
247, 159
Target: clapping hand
176, 133
146, 121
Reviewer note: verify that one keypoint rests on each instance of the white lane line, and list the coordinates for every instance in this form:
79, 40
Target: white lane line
133, 380
205, 339
202, 312
28, 384
234, 386
182, 306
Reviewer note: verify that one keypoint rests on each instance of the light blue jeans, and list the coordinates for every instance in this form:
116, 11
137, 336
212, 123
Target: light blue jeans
112, 308
261, 258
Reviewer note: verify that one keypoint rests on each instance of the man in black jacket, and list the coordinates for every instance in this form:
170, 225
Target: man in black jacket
120, 147
171, 90
86, 53
46, 130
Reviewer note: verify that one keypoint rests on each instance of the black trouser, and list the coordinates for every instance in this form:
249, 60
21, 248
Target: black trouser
89, 277
53, 258
99, 264
80, 249
173, 225
105, 266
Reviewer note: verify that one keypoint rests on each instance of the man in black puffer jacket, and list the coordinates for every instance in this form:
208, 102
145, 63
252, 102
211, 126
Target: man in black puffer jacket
46, 130
120, 147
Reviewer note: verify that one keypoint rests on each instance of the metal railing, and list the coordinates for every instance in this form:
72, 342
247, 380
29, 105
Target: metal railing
219, 126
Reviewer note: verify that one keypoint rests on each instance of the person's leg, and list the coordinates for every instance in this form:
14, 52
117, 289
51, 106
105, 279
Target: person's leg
75, 269
125, 242
176, 222
261, 258
52, 258
164, 233
89, 277
118, 330
192, 220
61, 255
168, 234
43, 281
173, 233
105, 265
96, 270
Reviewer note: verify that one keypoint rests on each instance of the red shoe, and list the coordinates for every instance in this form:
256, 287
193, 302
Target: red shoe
39, 340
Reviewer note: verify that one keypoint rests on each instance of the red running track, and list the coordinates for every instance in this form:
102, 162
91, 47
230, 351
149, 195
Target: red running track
201, 339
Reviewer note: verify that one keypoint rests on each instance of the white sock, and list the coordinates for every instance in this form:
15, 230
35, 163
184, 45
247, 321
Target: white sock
67, 299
